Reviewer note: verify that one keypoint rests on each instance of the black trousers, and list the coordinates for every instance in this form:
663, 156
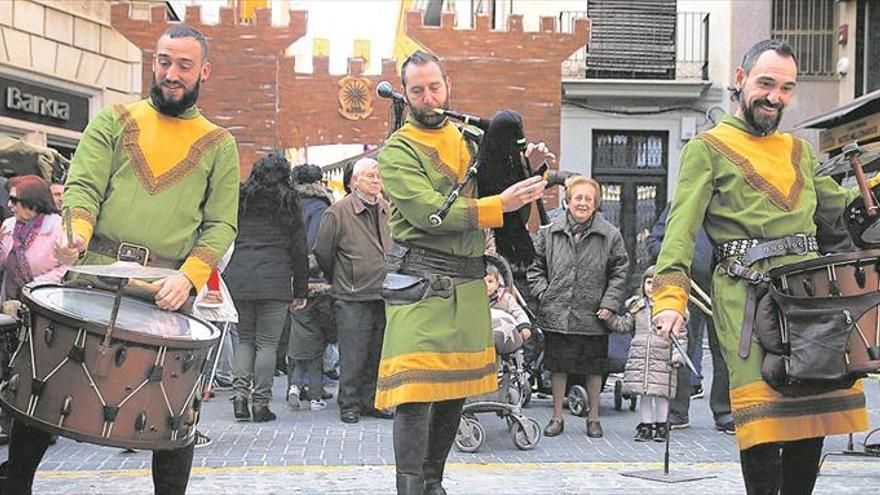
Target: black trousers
786, 468
361, 328
719, 398
27, 446
423, 435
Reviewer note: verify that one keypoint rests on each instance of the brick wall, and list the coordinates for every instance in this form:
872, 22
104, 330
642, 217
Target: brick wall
309, 105
490, 70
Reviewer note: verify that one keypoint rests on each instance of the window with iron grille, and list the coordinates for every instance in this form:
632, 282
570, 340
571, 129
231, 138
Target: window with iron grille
808, 26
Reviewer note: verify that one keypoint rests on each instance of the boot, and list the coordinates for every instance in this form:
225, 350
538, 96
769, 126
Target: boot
240, 409
262, 414
445, 418
410, 484
434, 489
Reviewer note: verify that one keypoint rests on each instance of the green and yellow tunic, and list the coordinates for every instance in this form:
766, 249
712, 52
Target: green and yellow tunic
170, 184
741, 186
438, 348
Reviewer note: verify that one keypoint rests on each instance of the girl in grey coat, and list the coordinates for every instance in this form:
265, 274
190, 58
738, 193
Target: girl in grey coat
649, 370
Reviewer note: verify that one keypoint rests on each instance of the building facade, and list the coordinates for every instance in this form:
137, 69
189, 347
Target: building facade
60, 63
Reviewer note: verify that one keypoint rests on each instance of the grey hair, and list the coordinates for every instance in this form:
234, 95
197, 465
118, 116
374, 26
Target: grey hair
362, 165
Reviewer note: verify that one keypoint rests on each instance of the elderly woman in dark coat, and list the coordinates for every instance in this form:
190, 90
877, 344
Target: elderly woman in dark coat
268, 272
579, 277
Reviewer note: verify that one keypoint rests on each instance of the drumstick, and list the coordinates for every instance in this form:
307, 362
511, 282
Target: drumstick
852, 152
147, 291
68, 227
704, 304
702, 307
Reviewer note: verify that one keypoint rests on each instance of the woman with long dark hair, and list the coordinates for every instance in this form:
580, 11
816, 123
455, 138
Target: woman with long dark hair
28, 237
268, 272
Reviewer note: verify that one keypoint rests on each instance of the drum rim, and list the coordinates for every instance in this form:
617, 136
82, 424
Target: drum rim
19, 415
118, 333
823, 261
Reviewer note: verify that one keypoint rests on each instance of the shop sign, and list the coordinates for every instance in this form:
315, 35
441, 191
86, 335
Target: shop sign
858, 130
43, 105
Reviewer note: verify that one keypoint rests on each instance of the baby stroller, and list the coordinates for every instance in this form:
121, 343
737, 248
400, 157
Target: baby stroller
514, 390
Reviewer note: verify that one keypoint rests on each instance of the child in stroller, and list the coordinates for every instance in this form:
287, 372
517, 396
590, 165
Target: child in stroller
510, 323
511, 327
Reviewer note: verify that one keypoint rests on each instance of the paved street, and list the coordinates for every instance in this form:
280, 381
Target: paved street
305, 452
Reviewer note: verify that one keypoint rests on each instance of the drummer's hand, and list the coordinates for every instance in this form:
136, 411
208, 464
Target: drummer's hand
299, 303
538, 154
3, 232
522, 193
173, 293
668, 321
67, 255
604, 314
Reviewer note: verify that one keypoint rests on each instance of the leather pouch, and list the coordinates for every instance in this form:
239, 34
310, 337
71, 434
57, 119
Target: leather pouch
399, 289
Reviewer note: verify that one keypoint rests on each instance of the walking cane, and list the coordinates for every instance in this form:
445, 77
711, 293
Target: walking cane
224, 331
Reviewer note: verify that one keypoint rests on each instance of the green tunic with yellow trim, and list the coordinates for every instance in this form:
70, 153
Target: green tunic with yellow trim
170, 184
437, 348
742, 186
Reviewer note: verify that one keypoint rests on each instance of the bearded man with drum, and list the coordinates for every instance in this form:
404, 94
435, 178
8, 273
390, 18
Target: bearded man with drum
438, 346
160, 178
748, 185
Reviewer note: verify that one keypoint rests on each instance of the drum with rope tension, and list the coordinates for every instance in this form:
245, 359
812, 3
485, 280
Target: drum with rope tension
142, 394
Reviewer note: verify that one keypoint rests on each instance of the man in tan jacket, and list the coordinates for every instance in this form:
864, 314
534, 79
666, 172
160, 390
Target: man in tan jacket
351, 245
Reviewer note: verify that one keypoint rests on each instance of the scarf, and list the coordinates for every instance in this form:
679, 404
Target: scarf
579, 229
18, 269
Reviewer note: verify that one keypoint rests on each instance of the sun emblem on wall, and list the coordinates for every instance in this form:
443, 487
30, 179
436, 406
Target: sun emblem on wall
355, 98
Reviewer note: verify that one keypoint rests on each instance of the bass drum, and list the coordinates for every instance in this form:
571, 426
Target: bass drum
140, 392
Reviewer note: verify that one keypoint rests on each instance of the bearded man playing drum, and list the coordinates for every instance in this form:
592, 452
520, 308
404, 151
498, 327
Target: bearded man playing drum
749, 185
161, 179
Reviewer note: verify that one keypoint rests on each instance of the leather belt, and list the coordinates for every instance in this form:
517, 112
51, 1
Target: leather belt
749, 251
422, 261
737, 257
127, 251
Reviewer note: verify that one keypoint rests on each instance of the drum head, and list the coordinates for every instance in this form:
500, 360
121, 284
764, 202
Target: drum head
94, 307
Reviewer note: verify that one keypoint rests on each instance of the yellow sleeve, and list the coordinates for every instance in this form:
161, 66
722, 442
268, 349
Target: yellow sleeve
197, 267
669, 293
489, 212
82, 223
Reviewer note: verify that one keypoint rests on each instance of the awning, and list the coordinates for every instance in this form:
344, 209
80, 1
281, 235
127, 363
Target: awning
861, 106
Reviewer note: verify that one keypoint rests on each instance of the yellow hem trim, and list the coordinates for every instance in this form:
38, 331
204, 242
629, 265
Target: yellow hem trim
433, 392
436, 361
751, 399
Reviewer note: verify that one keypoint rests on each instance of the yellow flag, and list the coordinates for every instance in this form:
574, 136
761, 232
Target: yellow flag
404, 46
321, 47
362, 50
247, 8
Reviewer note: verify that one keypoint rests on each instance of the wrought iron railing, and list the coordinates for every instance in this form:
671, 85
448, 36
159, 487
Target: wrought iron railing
624, 46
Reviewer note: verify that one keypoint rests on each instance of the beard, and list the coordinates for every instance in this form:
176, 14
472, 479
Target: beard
427, 117
764, 124
169, 106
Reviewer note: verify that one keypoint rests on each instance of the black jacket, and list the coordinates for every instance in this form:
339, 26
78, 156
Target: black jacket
270, 259
573, 282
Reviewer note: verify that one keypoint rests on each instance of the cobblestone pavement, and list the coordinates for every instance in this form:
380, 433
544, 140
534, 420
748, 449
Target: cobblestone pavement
313, 452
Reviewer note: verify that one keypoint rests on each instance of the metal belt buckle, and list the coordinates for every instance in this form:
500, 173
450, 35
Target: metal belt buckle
804, 244
133, 252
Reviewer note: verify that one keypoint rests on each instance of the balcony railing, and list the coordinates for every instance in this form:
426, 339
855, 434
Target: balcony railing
628, 46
